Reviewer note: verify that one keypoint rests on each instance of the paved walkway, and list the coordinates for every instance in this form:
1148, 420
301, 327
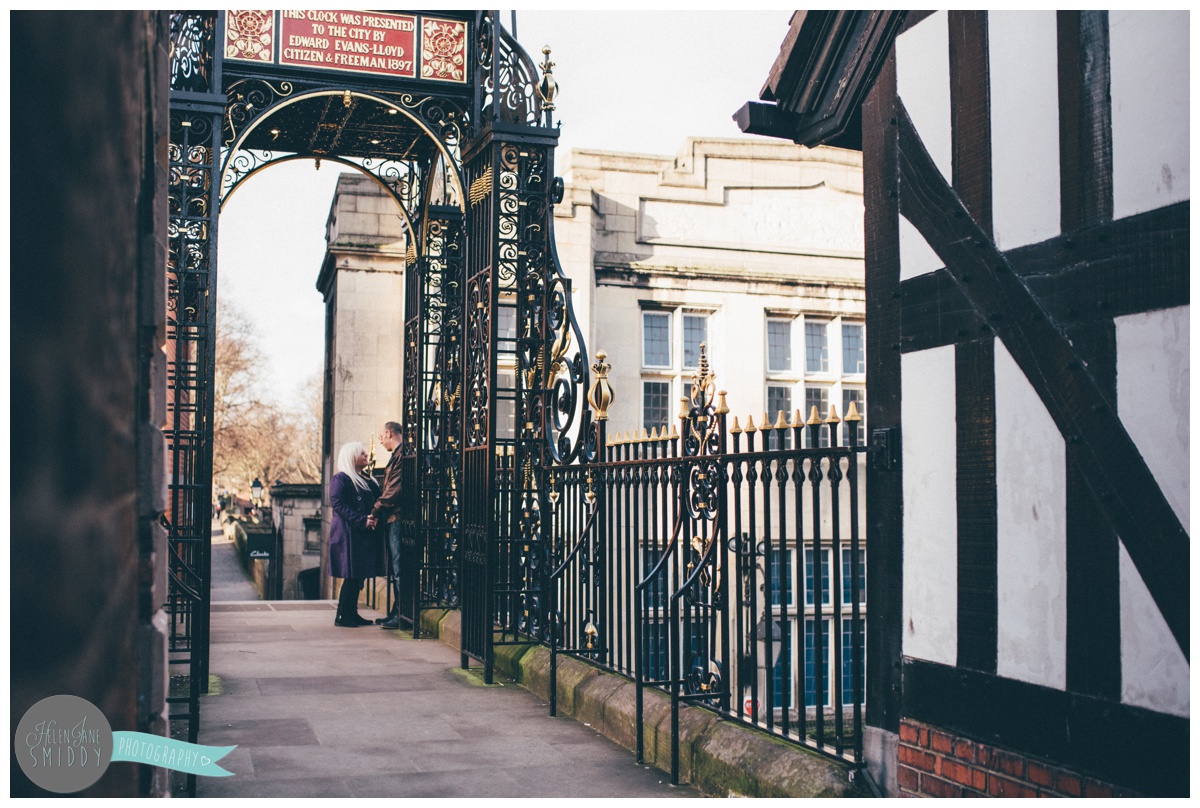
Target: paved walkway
322, 711
230, 581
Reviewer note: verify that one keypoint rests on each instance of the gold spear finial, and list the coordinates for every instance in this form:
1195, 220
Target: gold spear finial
547, 88
601, 395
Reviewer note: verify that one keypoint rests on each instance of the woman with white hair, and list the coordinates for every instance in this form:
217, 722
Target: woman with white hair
355, 551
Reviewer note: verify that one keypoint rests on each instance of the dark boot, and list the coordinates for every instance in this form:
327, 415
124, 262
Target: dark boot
348, 605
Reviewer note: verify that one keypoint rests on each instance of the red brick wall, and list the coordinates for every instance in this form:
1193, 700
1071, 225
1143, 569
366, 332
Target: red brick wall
935, 763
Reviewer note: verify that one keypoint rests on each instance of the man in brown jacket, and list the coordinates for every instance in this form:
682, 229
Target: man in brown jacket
387, 508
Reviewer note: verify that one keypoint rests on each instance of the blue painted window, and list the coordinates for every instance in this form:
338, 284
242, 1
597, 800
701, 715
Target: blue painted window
816, 347
695, 331
854, 349
656, 398
779, 345
781, 578
847, 579
656, 340
810, 584
817, 396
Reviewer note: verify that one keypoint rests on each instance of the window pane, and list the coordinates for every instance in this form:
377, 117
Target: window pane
506, 404
809, 584
854, 350
656, 590
655, 404
818, 397
779, 399
816, 341
779, 345
656, 340
858, 396
847, 576
781, 578
850, 650
695, 331
781, 693
506, 322
810, 656
656, 656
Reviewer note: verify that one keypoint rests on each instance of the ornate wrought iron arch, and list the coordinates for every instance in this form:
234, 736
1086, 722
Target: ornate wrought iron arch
255, 102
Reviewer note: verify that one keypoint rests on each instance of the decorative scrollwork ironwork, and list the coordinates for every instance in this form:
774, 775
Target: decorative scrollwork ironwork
701, 428
508, 77
193, 43
248, 100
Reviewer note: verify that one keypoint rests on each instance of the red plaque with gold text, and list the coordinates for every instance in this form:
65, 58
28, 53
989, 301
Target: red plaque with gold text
363, 42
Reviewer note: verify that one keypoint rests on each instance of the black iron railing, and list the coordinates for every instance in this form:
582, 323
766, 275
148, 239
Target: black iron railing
722, 565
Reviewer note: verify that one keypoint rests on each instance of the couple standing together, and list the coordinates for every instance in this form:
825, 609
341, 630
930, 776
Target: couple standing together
359, 507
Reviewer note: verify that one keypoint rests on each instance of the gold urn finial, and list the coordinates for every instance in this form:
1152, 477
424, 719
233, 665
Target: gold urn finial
601, 395
547, 87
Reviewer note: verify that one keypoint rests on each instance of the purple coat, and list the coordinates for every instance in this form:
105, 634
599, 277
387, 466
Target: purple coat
354, 551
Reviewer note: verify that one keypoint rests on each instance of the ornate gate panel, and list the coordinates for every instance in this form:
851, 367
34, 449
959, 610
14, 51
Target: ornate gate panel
439, 422
194, 149
519, 347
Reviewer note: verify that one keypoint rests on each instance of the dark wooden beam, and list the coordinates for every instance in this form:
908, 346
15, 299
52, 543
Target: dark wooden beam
1089, 276
885, 505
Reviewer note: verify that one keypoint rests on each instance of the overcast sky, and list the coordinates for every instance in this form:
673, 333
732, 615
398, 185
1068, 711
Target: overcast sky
630, 81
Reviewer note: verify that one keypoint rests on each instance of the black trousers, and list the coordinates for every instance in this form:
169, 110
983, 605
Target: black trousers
348, 600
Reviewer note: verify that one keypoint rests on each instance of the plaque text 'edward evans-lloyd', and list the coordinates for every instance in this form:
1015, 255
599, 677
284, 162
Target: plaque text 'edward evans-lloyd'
363, 42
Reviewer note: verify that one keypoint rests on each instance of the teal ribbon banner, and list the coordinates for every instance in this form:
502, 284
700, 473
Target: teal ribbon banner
141, 747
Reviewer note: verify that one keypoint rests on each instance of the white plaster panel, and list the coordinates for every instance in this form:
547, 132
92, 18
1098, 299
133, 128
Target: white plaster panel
1031, 533
1023, 72
923, 84
1148, 57
929, 449
794, 220
916, 256
1154, 672
1153, 397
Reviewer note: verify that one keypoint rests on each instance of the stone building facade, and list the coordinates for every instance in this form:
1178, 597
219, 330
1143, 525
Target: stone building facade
752, 247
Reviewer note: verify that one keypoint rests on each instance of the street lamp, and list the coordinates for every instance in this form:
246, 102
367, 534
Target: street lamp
256, 489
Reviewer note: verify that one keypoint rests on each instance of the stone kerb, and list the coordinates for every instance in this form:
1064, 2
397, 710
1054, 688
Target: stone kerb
719, 757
